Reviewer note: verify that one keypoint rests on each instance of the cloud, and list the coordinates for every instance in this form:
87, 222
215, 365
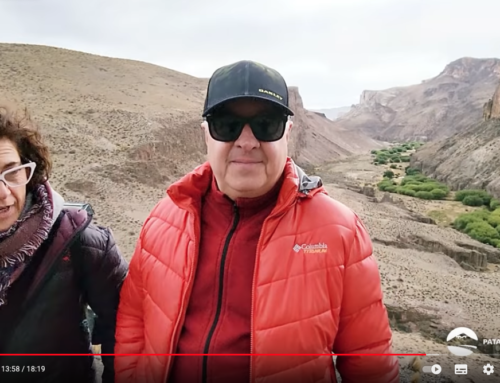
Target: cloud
332, 50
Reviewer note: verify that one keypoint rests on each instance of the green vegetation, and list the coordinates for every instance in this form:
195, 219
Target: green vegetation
411, 171
414, 184
473, 197
388, 174
395, 154
494, 204
483, 225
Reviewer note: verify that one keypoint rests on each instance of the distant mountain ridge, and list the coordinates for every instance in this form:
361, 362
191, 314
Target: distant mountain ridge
333, 113
432, 110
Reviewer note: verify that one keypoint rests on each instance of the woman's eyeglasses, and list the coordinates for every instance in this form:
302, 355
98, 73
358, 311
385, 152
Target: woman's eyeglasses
19, 175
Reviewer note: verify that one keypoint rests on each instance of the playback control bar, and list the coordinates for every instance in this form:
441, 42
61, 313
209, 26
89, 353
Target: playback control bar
460, 369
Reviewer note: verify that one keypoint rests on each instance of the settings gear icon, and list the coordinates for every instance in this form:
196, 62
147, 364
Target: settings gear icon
488, 369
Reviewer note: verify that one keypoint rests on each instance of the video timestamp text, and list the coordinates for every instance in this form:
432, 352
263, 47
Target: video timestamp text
16, 368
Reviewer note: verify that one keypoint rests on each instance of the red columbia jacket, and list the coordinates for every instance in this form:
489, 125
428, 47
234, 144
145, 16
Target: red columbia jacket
316, 289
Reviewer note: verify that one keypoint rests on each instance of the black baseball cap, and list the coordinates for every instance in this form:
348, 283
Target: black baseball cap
246, 79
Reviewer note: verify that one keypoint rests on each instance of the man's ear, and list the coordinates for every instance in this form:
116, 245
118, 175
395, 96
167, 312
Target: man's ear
289, 125
204, 127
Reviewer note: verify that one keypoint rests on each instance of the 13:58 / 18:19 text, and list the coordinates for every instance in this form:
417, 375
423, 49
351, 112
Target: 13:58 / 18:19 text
14, 368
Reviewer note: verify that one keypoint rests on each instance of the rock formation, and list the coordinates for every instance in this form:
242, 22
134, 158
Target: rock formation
487, 109
495, 104
432, 110
468, 159
315, 139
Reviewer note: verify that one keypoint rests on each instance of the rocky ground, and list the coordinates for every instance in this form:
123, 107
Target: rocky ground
434, 278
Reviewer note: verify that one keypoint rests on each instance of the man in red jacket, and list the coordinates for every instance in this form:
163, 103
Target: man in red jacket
249, 256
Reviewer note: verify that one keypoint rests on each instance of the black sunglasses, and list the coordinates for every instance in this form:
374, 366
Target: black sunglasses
226, 127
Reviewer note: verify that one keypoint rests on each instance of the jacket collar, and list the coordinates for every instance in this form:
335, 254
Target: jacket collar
187, 192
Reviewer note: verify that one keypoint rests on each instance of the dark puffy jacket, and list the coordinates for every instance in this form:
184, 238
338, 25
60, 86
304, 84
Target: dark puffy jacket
45, 313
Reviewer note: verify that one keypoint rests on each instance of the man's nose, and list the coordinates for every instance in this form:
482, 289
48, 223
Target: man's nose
247, 140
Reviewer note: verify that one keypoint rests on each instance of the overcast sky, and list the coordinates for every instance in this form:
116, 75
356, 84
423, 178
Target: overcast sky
331, 49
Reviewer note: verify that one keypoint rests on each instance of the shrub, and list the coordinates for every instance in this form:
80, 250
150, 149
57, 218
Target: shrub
405, 159
395, 157
406, 191
424, 195
388, 174
394, 166
438, 193
391, 188
374, 152
462, 194
473, 200
494, 220
382, 161
382, 185
418, 178
483, 232
424, 186
463, 220
494, 204
411, 171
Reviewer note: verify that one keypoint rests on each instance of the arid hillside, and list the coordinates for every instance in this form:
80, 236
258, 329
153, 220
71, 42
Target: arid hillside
316, 139
435, 109
469, 159
121, 131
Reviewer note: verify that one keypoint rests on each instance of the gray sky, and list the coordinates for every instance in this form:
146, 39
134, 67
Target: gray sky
331, 49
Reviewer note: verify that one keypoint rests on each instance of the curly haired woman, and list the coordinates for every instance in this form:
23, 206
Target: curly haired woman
53, 263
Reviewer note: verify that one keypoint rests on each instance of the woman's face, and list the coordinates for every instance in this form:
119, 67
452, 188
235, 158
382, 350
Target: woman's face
12, 197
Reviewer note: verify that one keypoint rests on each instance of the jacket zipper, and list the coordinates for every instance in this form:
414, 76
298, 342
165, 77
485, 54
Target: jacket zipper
219, 298
176, 332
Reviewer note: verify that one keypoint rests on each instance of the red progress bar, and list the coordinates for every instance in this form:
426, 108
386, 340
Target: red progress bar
213, 354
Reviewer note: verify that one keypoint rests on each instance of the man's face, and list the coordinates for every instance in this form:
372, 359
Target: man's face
247, 167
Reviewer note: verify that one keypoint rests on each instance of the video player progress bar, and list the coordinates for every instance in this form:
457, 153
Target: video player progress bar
115, 355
